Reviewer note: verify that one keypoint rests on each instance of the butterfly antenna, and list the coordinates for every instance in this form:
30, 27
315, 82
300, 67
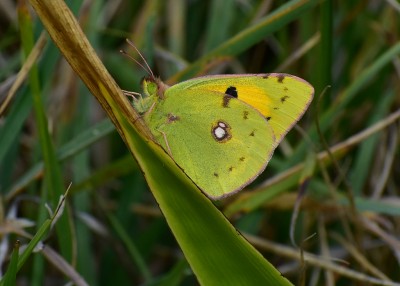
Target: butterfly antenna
136, 61
148, 69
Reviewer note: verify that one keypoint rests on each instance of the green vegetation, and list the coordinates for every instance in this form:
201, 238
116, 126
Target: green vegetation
324, 212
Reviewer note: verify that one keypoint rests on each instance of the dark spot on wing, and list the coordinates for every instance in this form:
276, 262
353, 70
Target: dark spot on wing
241, 159
226, 99
230, 169
266, 76
285, 88
245, 114
232, 91
281, 77
283, 98
276, 108
216, 175
172, 118
252, 133
268, 118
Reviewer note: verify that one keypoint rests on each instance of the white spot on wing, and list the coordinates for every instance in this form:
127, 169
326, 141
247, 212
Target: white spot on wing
220, 132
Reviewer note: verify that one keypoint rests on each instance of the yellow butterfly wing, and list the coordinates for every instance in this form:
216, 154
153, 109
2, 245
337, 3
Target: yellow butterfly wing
222, 130
281, 98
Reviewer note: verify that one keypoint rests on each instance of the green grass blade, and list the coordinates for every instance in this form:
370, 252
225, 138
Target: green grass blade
11, 274
53, 178
217, 253
218, 25
131, 247
368, 148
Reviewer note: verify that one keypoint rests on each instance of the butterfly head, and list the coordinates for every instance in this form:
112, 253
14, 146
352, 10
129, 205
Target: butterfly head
153, 87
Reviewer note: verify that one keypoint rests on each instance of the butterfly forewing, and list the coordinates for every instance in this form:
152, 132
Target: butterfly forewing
281, 98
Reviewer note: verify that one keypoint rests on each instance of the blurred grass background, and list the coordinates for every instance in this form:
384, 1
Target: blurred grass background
345, 211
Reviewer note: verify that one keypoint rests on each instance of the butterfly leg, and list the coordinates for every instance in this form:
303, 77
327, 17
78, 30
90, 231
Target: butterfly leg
166, 143
147, 112
151, 108
132, 94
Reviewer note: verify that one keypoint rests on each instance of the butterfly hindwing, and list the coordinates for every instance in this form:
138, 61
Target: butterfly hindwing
221, 143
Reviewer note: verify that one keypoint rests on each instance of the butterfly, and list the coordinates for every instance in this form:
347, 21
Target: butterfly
222, 130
